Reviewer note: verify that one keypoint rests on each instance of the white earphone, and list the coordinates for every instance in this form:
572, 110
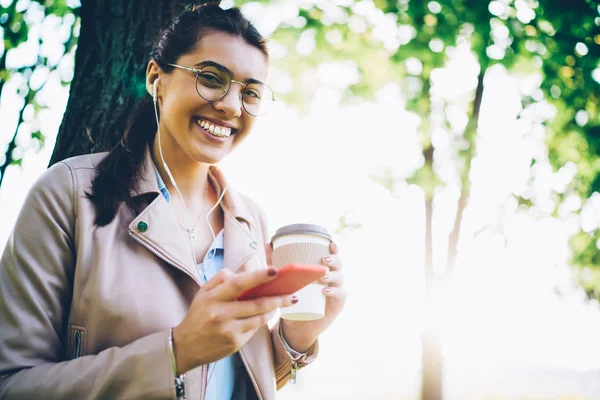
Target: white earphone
172, 179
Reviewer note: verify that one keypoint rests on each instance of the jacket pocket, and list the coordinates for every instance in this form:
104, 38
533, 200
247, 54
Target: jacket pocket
77, 342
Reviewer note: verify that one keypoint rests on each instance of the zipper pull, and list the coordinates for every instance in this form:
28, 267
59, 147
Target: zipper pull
294, 371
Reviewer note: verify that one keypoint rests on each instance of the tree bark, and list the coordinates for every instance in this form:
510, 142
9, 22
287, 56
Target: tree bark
109, 78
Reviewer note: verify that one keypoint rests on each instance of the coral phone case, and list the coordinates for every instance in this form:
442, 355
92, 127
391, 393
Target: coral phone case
290, 279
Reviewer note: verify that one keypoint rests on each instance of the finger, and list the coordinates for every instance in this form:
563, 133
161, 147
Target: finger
220, 277
335, 292
333, 261
333, 278
333, 248
255, 321
236, 285
261, 305
268, 252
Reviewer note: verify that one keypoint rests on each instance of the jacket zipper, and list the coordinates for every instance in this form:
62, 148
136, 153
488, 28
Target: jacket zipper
78, 335
140, 241
180, 386
206, 382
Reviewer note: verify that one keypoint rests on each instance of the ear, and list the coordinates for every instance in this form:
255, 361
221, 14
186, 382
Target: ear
152, 75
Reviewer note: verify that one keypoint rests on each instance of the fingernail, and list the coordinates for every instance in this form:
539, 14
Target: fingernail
327, 290
333, 246
271, 272
328, 259
326, 277
295, 299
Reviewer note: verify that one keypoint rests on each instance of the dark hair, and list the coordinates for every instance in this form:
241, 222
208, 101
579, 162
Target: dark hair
119, 171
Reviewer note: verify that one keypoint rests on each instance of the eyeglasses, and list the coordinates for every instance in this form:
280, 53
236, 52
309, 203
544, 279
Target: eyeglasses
213, 82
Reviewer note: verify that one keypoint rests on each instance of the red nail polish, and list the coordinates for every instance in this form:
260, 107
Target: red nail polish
295, 299
272, 272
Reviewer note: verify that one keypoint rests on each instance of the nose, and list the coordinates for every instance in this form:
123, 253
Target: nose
231, 103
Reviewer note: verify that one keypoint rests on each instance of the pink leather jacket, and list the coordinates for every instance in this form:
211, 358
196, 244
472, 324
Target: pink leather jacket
85, 311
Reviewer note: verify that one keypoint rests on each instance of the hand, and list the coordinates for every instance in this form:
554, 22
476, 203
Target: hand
218, 325
300, 335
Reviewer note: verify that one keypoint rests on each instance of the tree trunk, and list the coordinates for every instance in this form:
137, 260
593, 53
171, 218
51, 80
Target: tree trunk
437, 285
465, 192
112, 54
8, 155
3, 68
431, 388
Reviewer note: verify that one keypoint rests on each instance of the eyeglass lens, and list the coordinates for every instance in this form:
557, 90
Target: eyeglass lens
212, 84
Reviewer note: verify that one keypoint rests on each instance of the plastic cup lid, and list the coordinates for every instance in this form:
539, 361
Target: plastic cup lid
301, 229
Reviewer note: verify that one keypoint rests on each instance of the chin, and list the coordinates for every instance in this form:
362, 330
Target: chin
204, 158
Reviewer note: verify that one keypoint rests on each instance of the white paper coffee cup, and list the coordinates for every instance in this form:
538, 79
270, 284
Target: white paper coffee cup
302, 244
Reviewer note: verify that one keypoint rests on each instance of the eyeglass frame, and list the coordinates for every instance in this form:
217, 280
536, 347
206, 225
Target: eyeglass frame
231, 80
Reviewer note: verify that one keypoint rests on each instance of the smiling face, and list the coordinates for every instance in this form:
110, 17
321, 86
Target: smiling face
197, 129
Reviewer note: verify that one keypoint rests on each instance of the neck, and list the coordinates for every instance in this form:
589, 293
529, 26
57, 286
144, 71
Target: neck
191, 176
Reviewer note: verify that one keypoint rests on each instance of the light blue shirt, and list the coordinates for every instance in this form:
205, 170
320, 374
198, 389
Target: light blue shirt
223, 373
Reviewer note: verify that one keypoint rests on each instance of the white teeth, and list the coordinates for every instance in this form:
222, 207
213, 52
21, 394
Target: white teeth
217, 130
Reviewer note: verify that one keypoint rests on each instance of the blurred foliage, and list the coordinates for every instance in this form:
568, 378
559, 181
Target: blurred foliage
406, 42
557, 40
28, 58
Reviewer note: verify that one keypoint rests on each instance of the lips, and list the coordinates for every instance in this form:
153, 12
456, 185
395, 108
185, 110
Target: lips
214, 128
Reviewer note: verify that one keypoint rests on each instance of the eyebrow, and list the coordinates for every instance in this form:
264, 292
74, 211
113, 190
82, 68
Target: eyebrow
224, 69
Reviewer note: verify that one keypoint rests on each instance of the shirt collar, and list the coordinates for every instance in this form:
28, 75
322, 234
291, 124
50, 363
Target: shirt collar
161, 186
219, 242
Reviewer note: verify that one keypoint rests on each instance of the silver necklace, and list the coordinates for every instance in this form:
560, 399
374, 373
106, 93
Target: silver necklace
191, 234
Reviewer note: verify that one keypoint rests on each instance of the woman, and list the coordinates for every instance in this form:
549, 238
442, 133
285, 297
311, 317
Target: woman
120, 278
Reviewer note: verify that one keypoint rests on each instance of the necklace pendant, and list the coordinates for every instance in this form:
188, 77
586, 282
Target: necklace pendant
192, 236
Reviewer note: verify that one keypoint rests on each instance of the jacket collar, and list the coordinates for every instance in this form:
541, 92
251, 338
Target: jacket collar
232, 201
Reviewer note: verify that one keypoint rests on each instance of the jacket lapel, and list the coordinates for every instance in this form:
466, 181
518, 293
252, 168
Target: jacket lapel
155, 226
241, 245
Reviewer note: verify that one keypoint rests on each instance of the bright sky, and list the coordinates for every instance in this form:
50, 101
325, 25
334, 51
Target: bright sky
504, 314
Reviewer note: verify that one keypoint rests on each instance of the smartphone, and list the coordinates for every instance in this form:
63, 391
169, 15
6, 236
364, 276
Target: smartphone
290, 279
